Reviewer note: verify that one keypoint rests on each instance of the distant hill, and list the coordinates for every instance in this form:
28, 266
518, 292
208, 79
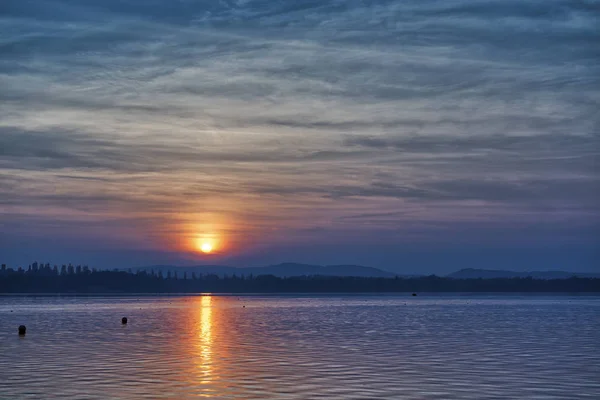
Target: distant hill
285, 270
473, 273
279, 270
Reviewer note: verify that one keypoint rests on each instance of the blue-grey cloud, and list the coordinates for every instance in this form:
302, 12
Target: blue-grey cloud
300, 116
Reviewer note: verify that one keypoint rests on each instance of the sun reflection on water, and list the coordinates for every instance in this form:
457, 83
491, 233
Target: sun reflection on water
204, 344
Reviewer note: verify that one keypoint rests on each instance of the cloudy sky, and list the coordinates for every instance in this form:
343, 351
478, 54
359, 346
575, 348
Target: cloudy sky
413, 136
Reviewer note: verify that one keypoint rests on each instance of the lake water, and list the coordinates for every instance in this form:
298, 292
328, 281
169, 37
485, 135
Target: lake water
294, 347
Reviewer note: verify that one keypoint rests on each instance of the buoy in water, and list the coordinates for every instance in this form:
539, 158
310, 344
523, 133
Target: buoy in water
22, 329
414, 294
124, 320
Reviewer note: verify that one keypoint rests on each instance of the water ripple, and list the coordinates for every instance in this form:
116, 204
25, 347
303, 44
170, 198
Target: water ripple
300, 348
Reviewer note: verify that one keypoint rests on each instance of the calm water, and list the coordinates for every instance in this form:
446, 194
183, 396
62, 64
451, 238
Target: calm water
355, 347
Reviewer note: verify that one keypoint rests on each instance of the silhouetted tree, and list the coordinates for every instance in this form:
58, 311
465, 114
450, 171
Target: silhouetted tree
12, 281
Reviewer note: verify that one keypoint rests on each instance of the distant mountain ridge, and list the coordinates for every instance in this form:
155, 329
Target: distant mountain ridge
475, 273
280, 270
295, 269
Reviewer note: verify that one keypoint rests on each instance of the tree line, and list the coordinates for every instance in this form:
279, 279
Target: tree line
41, 278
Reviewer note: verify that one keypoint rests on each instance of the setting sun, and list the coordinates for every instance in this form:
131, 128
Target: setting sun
208, 243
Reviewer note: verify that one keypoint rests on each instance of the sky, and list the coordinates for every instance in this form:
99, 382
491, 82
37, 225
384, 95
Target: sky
417, 137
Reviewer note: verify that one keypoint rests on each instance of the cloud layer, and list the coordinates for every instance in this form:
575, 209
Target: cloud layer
140, 124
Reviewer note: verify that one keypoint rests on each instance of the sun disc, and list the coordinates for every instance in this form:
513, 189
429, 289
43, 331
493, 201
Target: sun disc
206, 247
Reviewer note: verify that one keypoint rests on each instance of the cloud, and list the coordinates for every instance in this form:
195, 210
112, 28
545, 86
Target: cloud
296, 116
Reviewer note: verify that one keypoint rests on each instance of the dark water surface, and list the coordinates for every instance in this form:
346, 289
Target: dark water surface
285, 347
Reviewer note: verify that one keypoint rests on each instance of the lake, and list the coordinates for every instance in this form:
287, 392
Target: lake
301, 347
